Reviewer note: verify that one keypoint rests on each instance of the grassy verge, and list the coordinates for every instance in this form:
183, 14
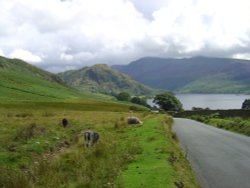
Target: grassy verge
158, 161
234, 124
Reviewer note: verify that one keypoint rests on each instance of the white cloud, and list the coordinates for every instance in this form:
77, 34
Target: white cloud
59, 33
25, 55
193, 25
242, 56
1, 52
66, 57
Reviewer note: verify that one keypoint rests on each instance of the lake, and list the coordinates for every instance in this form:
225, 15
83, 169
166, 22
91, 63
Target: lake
212, 101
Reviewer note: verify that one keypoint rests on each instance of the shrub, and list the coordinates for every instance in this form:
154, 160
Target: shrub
123, 96
139, 100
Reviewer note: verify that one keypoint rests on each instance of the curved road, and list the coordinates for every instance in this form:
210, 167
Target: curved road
220, 159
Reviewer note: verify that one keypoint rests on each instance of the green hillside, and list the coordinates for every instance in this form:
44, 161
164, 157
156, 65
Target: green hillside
103, 79
191, 75
215, 84
22, 81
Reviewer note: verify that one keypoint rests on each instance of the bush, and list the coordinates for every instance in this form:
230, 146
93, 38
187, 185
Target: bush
138, 100
123, 96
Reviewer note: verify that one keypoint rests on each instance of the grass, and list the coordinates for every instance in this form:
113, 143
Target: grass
16, 85
150, 168
36, 151
234, 124
157, 159
238, 125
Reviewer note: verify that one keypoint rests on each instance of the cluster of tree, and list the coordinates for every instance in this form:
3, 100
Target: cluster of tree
124, 96
168, 102
165, 101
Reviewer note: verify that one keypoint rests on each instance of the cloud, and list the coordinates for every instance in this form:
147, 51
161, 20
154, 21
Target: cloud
66, 57
242, 56
147, 8
1, 52
57, 35
191, 26
25, 55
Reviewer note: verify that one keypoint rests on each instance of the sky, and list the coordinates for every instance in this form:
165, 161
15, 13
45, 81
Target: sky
59, 35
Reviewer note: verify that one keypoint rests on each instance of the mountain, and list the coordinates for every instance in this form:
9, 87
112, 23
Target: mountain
22, 81
102, 78
191, 75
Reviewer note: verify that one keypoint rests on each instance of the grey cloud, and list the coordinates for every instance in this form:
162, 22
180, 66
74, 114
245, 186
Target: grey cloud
72, 34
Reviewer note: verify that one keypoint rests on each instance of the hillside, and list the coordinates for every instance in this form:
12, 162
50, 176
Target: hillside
103, 79
22, 81
191, 75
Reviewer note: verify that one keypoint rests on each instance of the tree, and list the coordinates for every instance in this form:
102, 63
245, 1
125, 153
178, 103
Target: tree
139, 100
246, 104
123, 96
168, 102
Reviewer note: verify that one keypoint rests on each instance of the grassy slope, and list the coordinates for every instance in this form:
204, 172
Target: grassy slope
152, 167
21, 81
214, 84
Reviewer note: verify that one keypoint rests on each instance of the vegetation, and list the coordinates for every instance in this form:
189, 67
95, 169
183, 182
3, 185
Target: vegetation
168, 102
21, 81
139, 100
37, 151
123, 96
235, 124
149, 168
101, 78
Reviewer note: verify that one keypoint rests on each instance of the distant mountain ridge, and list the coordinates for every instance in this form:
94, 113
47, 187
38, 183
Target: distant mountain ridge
191, 75
102, 78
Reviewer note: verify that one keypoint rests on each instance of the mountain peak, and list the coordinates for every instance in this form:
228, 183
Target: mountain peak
104, 79
101, 65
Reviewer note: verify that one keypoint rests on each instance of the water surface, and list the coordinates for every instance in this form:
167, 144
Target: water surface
212, 101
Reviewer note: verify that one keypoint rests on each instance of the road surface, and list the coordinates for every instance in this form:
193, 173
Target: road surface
220, 159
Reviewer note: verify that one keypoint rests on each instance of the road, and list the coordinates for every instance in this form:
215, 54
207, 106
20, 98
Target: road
220, 159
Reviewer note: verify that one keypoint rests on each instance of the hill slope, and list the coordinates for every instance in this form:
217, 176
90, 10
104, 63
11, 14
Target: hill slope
191, 75
101, 78
22, 81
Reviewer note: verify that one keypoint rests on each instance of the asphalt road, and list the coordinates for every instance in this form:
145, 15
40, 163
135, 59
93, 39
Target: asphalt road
220, 159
